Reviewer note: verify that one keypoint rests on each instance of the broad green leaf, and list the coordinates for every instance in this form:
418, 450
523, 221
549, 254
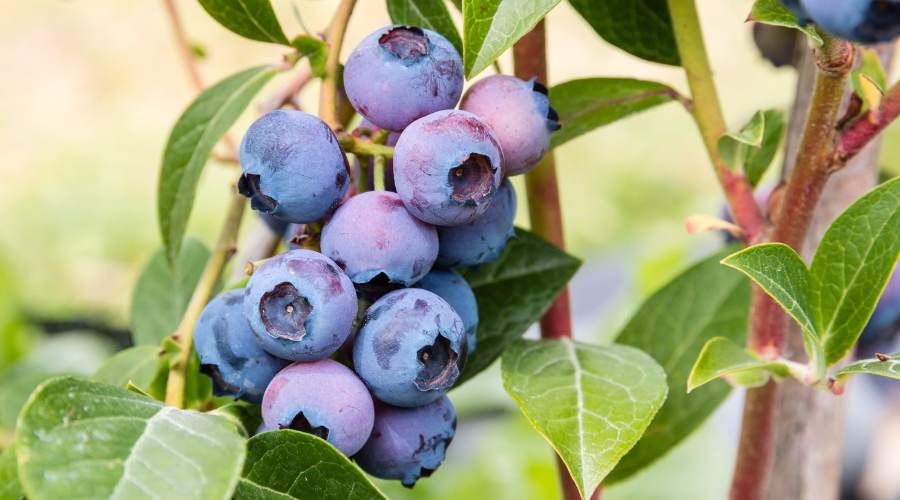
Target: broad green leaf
253, 19
853, 264
492, 26
429, 14
722, 358
138, 365
591, 403
642, 28
884, 366
870, 67
247, 415
10, 489
289, 464
82, 439
672, 326
315, 50
782, 274
192, 139
753, 148
513, 292
74, 353
162, 292
589, 103
775, 13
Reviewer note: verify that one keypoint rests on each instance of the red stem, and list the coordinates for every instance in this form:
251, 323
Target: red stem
856, 136
768, 322
530, 60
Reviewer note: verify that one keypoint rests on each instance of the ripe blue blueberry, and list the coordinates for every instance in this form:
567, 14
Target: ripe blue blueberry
520, 115
410, 348
408, 443
452, 287
797, 9
293, 166
373, 238
229, 353
447, 167
401, 73
866, 21
484, 239
323, 398
300, 305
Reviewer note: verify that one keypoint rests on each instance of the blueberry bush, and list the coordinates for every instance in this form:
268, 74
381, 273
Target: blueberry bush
389, 272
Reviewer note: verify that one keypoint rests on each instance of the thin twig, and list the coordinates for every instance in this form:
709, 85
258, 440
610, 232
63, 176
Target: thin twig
335, 39
287, 94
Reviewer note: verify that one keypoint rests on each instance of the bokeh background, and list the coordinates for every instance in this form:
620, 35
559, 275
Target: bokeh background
90, 90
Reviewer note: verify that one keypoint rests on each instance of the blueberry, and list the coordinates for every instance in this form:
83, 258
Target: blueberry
323, 398
392, 137
410, 348
866, 21
797, 9
401, 73
408, 443
293, 166
228, 351
519, 112
300, 305
277, 225
453, 288
484, 239
373, 237
447, 167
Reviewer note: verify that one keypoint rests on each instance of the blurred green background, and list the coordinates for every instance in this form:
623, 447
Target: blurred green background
91, 89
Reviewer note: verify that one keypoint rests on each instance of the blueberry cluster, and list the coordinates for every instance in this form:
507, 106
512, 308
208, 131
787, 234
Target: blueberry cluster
866, 21
374, 384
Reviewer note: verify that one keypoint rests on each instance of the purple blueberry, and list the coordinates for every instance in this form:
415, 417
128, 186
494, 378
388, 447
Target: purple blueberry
323, 398
447, 167
300, 305
452, 287
399, 74
519, 112
866, 21
410, 348
373, 238
408, 443
293, 166
484, 239
229, 353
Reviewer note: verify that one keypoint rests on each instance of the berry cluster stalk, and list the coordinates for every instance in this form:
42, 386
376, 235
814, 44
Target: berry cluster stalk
530, 60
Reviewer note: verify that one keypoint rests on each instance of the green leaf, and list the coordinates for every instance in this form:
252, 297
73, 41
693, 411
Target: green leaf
591, 403
10, 489
672, 326
247, 415
753, 148
722, 358
782, 274
642, 28
75, 353
192, 139
162, 292
492, 26
853, 264
884, 366
870, 67
290, 464
314, 49
589, 103
513, 292
139, 365
80, 439
253, 19
775, 13
428, 14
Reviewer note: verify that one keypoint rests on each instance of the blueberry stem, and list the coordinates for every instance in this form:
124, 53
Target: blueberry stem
362, 180
364, 147
378, 175
184, 333
335, 39
707, 113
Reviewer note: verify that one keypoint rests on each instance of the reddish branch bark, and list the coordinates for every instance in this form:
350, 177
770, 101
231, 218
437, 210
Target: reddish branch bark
859, 133
530, 58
